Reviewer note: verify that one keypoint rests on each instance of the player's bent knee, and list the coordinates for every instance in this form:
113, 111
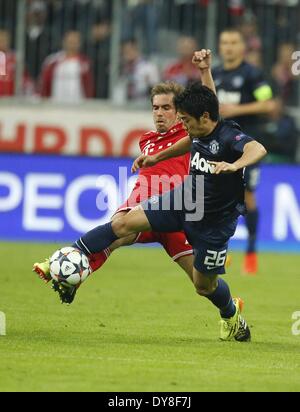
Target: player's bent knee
204, 291
205, 286
120, 227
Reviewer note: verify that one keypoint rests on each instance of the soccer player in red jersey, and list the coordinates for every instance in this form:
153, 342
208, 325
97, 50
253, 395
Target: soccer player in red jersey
159, 178
152, 181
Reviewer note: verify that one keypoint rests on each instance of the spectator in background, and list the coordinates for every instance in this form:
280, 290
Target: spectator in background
37, 38
254, 57
67, 76
245, 96
183, 70
249, 30
282, 73
100, 56
138, 75
140, 20
7, 82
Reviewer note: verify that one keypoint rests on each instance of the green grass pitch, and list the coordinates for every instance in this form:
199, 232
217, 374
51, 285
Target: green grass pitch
138, 325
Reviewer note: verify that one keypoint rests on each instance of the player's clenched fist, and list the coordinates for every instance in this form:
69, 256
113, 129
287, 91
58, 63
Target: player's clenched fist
202, 59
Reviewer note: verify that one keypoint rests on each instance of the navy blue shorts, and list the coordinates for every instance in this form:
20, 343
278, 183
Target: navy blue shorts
252, 177
208, 237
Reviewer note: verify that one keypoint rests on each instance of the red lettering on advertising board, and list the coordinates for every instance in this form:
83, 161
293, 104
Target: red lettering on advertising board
17, 143
88, 134
41, 142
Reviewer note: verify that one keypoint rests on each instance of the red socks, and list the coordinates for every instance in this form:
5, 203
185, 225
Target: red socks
98, 259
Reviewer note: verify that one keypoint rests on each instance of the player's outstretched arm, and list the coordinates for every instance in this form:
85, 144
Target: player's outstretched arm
180, 148
253, 153
202, 60
247, 109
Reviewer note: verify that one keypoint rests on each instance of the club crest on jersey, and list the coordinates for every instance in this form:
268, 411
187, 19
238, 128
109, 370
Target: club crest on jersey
214, 147
238, 81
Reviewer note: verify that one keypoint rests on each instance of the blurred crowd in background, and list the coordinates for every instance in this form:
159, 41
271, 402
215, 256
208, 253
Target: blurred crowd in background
68, 49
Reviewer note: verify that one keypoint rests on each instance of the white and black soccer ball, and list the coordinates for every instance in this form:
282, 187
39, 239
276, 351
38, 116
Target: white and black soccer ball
69, 266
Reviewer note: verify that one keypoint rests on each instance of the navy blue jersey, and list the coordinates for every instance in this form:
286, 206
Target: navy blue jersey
223, 193
244, 84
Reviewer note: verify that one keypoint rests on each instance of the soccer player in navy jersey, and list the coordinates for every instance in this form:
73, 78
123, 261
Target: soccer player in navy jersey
219, 153
151, 181
244, 96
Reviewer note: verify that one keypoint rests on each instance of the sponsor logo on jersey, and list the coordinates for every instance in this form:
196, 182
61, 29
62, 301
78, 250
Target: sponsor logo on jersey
229, 97
199, 163
214, 147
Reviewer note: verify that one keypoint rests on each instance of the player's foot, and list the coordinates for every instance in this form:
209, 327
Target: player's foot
235, 327
66, 293
43, 270
250, 266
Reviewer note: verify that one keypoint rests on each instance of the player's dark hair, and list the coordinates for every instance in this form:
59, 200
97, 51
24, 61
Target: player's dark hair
234, 30
197, 99
166, 88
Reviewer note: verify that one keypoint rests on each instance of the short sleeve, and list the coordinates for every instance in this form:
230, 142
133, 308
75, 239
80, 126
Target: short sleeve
260, 88
238, 142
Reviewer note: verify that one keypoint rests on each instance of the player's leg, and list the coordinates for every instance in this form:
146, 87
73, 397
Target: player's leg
133, 222
103, 236
150, 215
179, 249
186, 263
98, 240
98, 259
215, 289
210, 241
251, 218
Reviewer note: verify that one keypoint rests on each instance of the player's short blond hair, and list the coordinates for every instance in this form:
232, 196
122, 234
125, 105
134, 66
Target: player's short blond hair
166, 88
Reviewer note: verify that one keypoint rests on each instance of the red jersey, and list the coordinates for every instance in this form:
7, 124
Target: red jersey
7, 82
165, 175
175, 243
49, 74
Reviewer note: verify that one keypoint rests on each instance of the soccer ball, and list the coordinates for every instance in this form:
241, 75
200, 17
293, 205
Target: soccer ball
69, 266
